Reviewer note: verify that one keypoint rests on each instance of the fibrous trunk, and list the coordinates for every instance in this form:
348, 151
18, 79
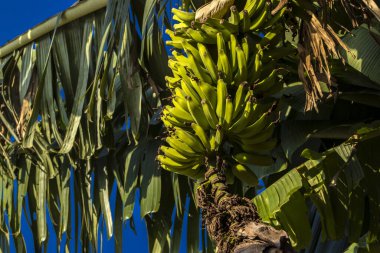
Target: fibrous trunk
232, 221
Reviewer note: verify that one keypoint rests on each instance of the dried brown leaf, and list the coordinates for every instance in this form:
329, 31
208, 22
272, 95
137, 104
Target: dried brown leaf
213, 9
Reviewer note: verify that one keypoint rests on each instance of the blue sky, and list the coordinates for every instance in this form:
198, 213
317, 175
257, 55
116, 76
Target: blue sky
18, 17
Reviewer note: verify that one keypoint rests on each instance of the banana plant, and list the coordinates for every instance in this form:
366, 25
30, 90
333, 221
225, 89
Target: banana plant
232, 68
81, 107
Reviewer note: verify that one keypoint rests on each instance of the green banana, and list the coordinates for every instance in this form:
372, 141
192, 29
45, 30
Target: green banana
175, 155
260, 20
246, 22
176, 18
200, 36
195, 85
258, 126
179, 93
229, 111
212, 142
221, 91
173, 82
223, 26
252, 7
209, 113
174, 121
190, 92
260, 148
184, 15
180, 26
174, 164
223, 63
167, 123
220, 43
171, 119
173, 65
274, 19
196, 111
239, 98
241, 75
256, 67
263, 136
173, 35
180, 58
233, 45
209, 30
179, 113
181, 71
200, 132
180, 102
259, 108
193, 50
254, 159
218, 137
243, 121
174, 43
245, 47
208, 92
172, 79
211, 99
208, 62
194, 172
190, 139
181, 147
234, 18
244, 174
266, 84
197, 69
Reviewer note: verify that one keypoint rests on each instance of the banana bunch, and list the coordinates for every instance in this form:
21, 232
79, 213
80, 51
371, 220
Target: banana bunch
253, 18
224, 75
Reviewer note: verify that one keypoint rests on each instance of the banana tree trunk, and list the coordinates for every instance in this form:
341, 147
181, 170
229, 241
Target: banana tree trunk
232, 221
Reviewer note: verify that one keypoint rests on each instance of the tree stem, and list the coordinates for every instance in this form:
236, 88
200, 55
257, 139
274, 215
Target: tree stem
232, 221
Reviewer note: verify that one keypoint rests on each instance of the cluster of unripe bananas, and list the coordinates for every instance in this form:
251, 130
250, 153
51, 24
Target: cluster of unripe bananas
224, 72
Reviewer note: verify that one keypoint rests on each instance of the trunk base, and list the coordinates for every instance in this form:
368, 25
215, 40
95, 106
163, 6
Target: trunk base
233, 222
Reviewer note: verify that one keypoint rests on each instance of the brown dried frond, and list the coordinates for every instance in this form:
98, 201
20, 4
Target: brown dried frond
279, 6
213, 9
26, 109
316, 45
318, 42
373, 7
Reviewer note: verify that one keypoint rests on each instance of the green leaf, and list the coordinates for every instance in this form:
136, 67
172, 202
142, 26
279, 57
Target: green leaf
102, 177
370, 98
29, 133
294, 219
28, 59
131, 172
48, 103
150, 185
23, 180
64, 179
364, 53
76, 112
41, 181
275, 196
